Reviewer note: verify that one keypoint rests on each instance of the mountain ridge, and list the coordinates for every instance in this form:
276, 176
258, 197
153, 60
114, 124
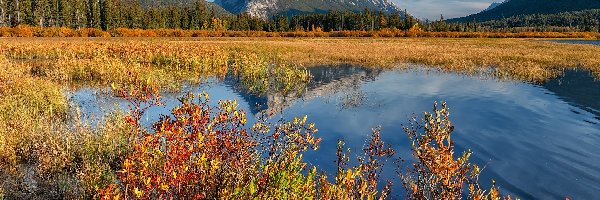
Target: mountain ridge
493, 5
512, 8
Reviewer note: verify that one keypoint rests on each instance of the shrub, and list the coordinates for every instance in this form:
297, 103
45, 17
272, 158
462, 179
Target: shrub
22, 31
92, 32
205, 152
437, 174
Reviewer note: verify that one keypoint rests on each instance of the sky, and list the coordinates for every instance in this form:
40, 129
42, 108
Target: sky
431, 9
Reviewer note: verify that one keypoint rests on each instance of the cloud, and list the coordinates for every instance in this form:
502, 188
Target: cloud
432, 9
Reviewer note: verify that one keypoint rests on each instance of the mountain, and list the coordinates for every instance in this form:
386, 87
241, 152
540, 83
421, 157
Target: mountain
268, 8
492, 6
512, 8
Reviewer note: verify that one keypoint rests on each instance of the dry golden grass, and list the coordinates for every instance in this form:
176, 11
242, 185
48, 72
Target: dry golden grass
524, 59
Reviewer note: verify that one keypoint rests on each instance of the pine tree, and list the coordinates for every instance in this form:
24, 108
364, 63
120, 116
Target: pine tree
79, 14
66, 8
41, 10
382, 21
2, 13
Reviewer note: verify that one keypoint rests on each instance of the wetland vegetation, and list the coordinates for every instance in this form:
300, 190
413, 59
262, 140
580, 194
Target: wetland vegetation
206, 150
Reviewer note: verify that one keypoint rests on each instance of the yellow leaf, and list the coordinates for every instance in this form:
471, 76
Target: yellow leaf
138, 193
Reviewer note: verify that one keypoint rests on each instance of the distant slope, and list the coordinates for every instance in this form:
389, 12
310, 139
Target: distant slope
268, 8
585, 20
492, 6
527, 7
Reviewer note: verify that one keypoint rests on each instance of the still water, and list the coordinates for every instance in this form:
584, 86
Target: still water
537, 141
593, 42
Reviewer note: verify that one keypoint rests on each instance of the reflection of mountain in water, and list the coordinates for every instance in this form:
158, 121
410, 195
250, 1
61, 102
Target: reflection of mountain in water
326, 80
578, 88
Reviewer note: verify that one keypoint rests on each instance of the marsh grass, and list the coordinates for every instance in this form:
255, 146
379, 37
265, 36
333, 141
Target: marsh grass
45, 150
521, 59
103, 61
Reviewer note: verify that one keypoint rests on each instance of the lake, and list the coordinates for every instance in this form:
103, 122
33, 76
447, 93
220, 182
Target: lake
535, 140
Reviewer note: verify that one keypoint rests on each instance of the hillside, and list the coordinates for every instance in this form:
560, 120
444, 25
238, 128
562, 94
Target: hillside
268, 8
512, 8
492, 6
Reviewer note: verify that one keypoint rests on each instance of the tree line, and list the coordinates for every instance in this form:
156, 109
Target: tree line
196, 15
201, 15
582, 21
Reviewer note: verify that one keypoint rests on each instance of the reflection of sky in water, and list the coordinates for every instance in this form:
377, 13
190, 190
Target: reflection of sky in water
534, 140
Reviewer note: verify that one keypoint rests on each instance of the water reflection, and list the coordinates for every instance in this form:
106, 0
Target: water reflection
327, 80
579, 88
536, 141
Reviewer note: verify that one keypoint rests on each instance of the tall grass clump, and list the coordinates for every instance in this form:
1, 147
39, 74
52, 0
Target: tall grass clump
258, 76
46, 151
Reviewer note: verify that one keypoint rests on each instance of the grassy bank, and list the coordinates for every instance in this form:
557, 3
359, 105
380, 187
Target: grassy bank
522, 59
173, 59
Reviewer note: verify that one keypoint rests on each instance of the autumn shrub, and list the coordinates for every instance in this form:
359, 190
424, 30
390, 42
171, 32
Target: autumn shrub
384, 33
5, 32
125, 32
361, 181
54, 32
22, 31
206, 152
202, 151
30, 31
121, 32
437, 174
91, 32
172, 33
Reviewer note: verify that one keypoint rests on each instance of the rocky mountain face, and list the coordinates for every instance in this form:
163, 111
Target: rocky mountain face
268, 8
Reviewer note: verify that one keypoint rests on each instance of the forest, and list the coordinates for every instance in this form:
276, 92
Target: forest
198, 15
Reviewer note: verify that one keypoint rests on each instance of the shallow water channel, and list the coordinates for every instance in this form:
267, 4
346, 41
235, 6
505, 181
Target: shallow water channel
592, 42
537, 141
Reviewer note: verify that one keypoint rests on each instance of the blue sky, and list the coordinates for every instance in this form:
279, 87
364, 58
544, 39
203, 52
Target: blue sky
432, 9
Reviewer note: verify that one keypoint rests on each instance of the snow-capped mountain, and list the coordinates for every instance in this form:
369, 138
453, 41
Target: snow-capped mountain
267, 8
